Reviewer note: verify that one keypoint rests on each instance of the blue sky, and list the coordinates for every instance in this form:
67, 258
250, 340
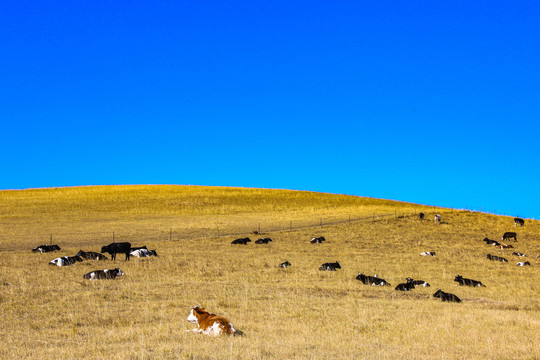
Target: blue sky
429, 102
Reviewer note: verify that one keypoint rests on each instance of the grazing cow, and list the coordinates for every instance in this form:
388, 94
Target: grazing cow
372, 280
66, 260
421, 283
330, 266
242, 241
114, 248
46, 248
103, 274
468, 282
446, 296
421, 216
318, 240
438, 219
504, 246
526, 263
90, 255
142, 253
428, 253
496, 258
519, 221
211, 324
285, 264
263, 241
409, 285
491, 242
518, 254
509, 235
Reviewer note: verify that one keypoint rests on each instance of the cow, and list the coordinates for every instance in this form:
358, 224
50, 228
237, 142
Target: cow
491, 242
90, 255
318, 240
211, 324
421, 216
496, 258
526, 263
504, 246
409, 285
428, 253
45, 248
509, 235
263, 241
446, 296
103, 274
468, 282
142, 253
285, 264
114, 248
421, 283
242, 241
438, 219
518, 254
330, 266
519, 221
65, 260
372, 280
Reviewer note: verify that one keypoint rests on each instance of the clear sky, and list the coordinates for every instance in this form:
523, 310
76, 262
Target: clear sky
433, 102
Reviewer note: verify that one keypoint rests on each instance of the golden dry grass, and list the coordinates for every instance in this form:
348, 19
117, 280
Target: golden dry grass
295, 313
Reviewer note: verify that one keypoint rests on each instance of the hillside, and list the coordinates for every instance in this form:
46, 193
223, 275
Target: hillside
293, 313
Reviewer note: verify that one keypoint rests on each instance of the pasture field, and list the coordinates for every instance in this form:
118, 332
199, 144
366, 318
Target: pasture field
296, 313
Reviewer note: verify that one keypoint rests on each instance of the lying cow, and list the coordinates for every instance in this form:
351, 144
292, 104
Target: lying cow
103, 274
446, 296
518, 254
491, 242
263, 241
496, 258
115, 248
330, 266
428, 253
211, 324
142, 253
421, 216
421, 283
519, 221
509, 235
46, 248
285, 264
408, 286
242, 241
90, 255
318, 240
66, 260
526, 263
372, 280
504, 246
468, 282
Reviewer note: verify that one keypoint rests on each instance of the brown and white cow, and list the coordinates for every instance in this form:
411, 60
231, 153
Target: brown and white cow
211, 324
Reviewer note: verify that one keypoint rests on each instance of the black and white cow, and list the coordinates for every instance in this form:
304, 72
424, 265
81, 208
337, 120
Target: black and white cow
438, 219
526, 263
496, 258
446, 296
242, 241
142, 252
330, 266
318, 240
285, 264
65, 260
103, 274
46, 248
468, 282
408, 286
115, 248
372, 280
519, 221
90, 255
421, 283
263, 241
518, 254
428, 253
509, 235
491, 242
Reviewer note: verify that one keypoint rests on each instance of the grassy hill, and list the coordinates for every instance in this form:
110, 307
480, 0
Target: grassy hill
293, 313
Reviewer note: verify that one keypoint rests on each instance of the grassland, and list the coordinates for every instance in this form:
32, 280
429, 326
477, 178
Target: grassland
295, 313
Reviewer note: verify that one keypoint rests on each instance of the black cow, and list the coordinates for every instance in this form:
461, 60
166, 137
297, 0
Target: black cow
285, 264
519, 221
90, 255
372, 280
65, 260
491, 242
330, 266
242, 241
408, 286
446, 296
468, 282
496, 258
103, 274
263, 241
115, 248
421, 216
46, 248
318, 240
509, 235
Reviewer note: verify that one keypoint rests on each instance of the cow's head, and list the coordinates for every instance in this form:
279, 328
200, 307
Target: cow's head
104, 249
194, 313
336, 265
119, 272
438, 294
458, 278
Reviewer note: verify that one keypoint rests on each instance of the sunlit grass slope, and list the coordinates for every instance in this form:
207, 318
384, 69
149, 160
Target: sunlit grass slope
295, 313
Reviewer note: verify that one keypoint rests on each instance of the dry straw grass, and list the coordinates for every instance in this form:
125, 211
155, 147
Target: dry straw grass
295, 313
